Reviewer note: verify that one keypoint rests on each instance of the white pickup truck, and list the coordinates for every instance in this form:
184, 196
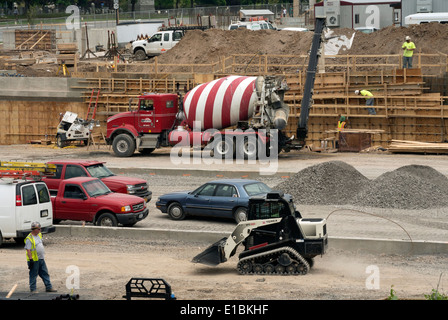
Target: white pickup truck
157, 44
161, 41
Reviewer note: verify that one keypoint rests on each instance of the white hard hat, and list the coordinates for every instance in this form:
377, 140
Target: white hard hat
35, 225
408, 38
356, 91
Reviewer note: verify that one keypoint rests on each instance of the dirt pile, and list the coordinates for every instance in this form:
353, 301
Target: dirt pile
336, 183
208, 46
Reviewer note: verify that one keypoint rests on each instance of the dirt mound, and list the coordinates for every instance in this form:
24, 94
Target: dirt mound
328, 183
208, 46
336, 183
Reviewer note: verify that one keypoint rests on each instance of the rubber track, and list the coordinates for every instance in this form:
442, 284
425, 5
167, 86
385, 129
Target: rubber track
272, 255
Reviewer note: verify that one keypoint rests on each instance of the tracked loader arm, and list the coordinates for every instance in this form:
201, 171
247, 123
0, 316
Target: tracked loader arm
225, 248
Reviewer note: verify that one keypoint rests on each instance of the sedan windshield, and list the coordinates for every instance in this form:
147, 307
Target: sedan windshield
256, 188
99, 171
96, 188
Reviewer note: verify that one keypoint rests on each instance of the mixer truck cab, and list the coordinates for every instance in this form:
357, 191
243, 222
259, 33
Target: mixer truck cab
145, 128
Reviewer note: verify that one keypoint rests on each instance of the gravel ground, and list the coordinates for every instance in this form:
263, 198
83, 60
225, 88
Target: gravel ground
106, 264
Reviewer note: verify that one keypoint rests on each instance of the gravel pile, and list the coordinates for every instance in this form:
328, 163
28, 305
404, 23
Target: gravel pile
408, 187
337, 183
327, 183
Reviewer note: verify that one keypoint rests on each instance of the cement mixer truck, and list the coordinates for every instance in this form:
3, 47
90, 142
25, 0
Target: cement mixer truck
234, 116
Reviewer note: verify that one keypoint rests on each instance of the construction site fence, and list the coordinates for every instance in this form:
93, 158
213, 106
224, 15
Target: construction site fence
432, 65
106, 18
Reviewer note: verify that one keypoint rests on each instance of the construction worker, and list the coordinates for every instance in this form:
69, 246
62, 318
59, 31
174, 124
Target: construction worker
342, 123
369, 100
408, 51
35, 258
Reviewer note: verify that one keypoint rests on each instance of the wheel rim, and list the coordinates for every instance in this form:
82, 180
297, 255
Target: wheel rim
241, 215
106, 222
222, 147
122, 146
176, 212
249, 148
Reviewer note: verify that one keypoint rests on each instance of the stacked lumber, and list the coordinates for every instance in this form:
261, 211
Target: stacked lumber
67, 52
406, 146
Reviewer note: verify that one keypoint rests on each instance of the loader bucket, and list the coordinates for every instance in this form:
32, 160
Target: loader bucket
213, 255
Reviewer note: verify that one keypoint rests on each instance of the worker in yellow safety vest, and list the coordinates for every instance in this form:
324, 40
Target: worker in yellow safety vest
342, 123
408, 51
35, 258
369, 100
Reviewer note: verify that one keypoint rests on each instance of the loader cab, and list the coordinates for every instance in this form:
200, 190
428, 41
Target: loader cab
270, 205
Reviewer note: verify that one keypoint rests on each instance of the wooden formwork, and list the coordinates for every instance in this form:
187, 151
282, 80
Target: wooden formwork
23, 121
35, 39
404, 110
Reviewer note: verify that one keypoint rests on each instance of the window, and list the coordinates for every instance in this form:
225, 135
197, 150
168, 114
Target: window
256, 188
166, 37
207, 190
267, 210
42, 192
156, 37
177, 35
170, 104
73, 192
58, 173
74, 171
225, 190
146, 105
356, 18
29, 195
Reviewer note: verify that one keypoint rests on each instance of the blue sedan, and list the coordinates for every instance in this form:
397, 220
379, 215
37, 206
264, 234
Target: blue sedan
226, 198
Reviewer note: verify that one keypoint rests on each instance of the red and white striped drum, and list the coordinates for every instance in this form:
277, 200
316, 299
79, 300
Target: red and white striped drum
221, 103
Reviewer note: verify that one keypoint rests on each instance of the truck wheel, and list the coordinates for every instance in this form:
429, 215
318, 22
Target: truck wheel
140, 55
1, 239
59, 141
123, 145
106, 220
223, 147
240, 215
247, 148
175, 211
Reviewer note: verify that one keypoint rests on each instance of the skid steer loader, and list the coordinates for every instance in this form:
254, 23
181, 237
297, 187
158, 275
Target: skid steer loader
277, 240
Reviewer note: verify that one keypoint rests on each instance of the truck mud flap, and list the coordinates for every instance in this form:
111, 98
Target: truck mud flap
213, 255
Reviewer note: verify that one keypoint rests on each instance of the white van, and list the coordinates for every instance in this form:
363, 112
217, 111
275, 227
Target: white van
420, 18
21, 203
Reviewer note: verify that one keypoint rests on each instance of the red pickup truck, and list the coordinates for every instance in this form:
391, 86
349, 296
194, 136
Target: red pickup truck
67, 169
89, 199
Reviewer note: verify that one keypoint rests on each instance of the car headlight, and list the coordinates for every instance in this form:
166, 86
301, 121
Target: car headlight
130, 188
126, 209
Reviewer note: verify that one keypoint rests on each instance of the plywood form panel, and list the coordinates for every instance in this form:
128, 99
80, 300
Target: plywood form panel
32, 120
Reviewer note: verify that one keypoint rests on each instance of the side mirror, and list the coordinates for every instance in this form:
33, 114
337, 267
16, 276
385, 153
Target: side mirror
130, 104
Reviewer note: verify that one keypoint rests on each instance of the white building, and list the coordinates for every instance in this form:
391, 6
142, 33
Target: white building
359, 13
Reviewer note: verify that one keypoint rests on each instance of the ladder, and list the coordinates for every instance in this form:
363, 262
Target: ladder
91, 112
13, 169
